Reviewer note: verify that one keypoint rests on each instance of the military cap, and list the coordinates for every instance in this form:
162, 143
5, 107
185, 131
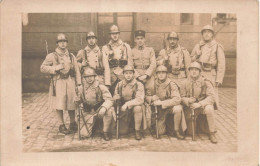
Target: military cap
61, 37
89, 72
114, 29
195, 65
128, 68
207, 27
161, 68
173, 35
91, 34
139, 33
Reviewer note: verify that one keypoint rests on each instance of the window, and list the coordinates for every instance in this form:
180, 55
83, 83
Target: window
186, 18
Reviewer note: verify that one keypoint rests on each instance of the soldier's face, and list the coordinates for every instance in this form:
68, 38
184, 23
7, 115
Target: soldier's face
115, 36
92, 41
62, 44
173, 42
161, 75
128, 75
207, 35
90, 79
139, 40
194, 72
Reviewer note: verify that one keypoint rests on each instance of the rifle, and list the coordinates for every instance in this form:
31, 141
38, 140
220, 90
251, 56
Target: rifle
53, 86
156, 122
117, 117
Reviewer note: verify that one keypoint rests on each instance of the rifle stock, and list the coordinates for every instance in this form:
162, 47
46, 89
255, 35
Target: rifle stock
117, 118
156, 122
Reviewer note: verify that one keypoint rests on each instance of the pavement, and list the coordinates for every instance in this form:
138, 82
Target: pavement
40, 131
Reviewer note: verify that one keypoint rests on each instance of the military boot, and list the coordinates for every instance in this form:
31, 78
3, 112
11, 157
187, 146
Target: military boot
105, 136
179, 136
73, 127
213, 138
63, 129
138, 135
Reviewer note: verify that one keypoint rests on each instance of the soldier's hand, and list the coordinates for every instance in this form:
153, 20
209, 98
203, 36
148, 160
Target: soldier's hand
116, 97
143, 77
192, 100
102, 112
155, 97
59, 67
198, 52
157, 103
124, 107
195, 105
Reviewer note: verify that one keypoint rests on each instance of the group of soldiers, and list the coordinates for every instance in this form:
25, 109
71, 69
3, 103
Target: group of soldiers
134, 87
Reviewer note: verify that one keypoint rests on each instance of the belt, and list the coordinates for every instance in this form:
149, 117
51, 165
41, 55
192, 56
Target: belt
142, 67
207, 67
65, 76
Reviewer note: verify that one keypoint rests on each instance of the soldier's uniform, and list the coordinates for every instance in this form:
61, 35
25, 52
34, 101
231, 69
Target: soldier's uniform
169, 94
94, 58
212, 59
94, 97
63, 81
144, 60
177, 60
202, 90
118, 55
131, 93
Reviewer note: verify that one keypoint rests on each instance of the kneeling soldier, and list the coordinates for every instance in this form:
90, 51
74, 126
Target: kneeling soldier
198, 94
164, 95
97, 102
131, 93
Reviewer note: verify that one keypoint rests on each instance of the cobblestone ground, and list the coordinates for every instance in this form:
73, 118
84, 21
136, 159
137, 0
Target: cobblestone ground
40, 131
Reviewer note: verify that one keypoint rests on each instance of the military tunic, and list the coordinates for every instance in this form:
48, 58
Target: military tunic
169, 94
65, 87
177, 61
95, 59
120, 51
132, 94
94, 97
202, 90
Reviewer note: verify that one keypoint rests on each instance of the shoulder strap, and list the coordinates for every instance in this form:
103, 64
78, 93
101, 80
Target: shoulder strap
98, 93
100, 59
135, 89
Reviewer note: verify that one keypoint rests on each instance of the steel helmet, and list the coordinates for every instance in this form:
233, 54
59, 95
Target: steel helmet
91, 34
128, 68
161, 68
207, 27
173, 35
195, 65
89, 72
114, 29
61, 37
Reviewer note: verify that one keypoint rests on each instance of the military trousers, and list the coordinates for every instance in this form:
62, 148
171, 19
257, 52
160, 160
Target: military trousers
205, 120
126, 116
90, 119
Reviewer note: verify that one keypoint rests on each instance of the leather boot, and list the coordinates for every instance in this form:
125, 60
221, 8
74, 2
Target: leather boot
63, 129
213, 138
179, 136
105, 136
138, 135
73, 127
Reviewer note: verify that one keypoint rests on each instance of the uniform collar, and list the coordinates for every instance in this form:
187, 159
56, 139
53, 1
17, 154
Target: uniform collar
94, 84
118, 43
88, 49
140, 48
132, 83
210, 44
164, 84
177, 49
60, 52
199, 80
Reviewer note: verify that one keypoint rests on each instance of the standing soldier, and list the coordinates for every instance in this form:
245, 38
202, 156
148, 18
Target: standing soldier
92, 56
210, 54
97, 102
130, 92
176, 58
118, 54
63, 67
164, 95
144, 60
198, 94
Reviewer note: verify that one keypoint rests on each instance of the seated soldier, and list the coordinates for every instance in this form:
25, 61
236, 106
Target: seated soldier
97, 102
198, 94
164, 95
131, 94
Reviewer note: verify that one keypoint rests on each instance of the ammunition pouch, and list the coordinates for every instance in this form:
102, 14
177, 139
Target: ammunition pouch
71, 73
99, 71
207, 66
113, 63
122, 63
88, 107
169, 68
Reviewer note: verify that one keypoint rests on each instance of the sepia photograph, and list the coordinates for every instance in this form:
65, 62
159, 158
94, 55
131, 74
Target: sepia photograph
129, 81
